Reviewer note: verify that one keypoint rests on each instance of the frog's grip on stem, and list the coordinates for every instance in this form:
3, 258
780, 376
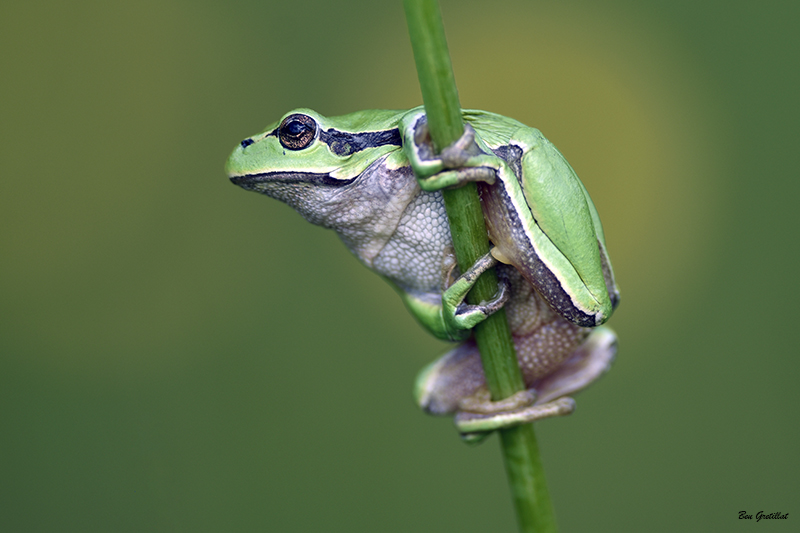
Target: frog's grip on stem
473, 426
469, 278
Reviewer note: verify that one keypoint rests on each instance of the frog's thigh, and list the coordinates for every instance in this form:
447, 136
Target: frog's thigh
591, 360
456, 375
543, 351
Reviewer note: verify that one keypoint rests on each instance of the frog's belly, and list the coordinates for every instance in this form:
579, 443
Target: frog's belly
543, 338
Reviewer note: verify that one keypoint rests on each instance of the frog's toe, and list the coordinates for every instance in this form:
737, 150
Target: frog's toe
481, 402
467, 313
466, 316
457, 154
469, 423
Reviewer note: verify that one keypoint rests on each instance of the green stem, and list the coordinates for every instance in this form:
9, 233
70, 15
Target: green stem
468, 229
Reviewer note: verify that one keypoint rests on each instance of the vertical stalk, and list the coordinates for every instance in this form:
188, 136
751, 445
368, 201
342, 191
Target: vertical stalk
468, 229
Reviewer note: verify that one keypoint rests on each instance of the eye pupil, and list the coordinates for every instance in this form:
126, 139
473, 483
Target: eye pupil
295, 128
297, 131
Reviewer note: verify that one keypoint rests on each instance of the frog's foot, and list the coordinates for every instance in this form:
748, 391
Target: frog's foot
459, 154
461, 316
478, 415
465, 162
442, 386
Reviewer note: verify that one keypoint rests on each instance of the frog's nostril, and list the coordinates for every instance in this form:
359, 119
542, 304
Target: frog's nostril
247, 142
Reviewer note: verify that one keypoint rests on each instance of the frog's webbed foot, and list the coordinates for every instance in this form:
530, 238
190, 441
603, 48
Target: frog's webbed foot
463, 162
460, 315
478, 416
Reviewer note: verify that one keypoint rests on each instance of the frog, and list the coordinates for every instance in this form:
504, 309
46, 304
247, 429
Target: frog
375, 178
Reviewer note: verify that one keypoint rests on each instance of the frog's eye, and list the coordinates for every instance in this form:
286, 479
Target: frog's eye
297, 131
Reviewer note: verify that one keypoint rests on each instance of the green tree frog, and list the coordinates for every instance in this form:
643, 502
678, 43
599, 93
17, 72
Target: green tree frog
373, 177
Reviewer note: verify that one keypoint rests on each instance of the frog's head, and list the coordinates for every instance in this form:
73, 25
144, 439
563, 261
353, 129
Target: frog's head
306, 158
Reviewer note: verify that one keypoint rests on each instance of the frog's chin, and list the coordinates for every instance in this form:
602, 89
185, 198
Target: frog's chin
263, 180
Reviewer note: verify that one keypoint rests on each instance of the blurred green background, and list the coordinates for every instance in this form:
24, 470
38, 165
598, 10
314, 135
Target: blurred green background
179, 355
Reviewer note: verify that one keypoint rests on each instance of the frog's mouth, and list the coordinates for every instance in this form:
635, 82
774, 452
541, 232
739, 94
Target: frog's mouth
251, 181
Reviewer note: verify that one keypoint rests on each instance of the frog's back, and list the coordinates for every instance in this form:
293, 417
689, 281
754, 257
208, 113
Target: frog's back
495, 130
363, 121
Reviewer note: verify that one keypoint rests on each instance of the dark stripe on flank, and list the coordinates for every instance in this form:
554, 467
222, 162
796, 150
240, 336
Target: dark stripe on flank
248, 181
608, 277
511, 154
343, 143
506, 224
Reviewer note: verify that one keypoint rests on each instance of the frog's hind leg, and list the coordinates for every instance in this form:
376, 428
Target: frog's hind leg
456, 382
442, 385
591, 360
474, 427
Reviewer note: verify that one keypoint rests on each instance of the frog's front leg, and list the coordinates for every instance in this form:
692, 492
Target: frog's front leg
460, 316
462, 162
447, 316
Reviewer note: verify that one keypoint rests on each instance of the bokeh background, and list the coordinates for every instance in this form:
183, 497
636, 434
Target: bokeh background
177, 354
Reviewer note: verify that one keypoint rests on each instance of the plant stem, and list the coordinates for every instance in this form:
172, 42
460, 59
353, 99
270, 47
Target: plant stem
468, 229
